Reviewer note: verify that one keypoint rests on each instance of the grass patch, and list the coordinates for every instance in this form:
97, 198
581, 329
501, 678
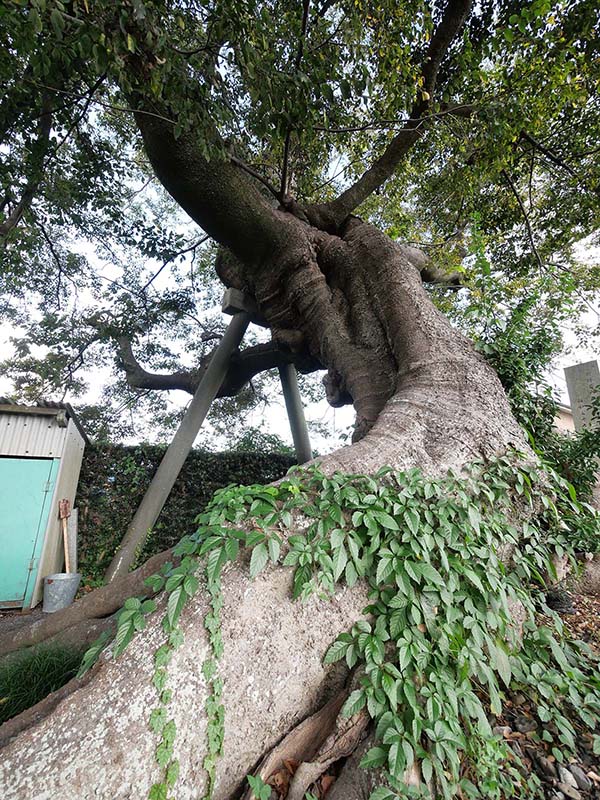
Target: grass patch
28, 678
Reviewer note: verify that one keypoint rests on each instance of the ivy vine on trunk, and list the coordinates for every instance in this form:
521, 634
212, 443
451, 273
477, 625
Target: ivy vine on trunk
439, 646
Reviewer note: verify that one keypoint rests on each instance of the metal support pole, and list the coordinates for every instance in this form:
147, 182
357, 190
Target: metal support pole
177, 452
295, 410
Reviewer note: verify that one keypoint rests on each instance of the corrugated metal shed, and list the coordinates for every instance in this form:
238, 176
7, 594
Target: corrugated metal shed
41, 448
30, 435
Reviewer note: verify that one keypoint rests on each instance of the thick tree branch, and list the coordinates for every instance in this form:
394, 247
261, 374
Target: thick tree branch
452, 22
430, 273
139, 378
331, 215
195, 167
244, 365
36, 165
215, 193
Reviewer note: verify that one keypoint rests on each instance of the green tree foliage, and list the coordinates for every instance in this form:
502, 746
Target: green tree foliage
306, 97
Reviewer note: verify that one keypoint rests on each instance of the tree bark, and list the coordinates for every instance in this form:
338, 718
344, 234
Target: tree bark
446, 409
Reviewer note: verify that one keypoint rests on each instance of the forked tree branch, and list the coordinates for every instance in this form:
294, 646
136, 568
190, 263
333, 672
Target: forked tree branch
334, 213
244, 365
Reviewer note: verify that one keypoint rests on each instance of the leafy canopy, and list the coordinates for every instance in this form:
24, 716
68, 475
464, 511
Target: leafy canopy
305, 96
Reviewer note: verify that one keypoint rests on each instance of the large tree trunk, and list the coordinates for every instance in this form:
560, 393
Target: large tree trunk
423, 397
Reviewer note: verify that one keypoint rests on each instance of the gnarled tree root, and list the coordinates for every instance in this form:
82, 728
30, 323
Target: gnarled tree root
314, 745
97, 605
76, 639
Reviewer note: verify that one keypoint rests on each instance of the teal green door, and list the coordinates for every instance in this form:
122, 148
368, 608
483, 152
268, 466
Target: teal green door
26, 489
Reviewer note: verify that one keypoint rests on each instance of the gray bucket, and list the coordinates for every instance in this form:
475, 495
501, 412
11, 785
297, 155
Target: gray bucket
60, 590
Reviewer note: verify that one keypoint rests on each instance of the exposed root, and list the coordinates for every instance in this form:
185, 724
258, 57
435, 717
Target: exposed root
318, 742
341, 742
97, 605
354, 782
303, 742
77, 638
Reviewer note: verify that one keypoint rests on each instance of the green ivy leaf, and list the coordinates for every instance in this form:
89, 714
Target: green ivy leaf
274, 545
260, 790
396, 760
375, 757
340, 559
258, 559
158, 719
354, 703
386, 520
475, 518
502, 663
175, 604
162, 656
383, 793
336, 652
190, 585
148, 606
412, 519
124, 635
172, 774
158, 792
351, 575
214, 562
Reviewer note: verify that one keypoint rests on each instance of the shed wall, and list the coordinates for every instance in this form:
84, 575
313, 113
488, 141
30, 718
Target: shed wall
31, 435
52, 557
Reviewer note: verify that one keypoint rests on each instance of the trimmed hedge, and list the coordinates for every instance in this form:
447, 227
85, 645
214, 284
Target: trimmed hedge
114, 479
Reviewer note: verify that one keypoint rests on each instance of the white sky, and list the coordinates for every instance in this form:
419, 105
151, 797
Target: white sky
271, 420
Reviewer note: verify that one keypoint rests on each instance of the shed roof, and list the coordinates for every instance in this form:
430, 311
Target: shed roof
44, 408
